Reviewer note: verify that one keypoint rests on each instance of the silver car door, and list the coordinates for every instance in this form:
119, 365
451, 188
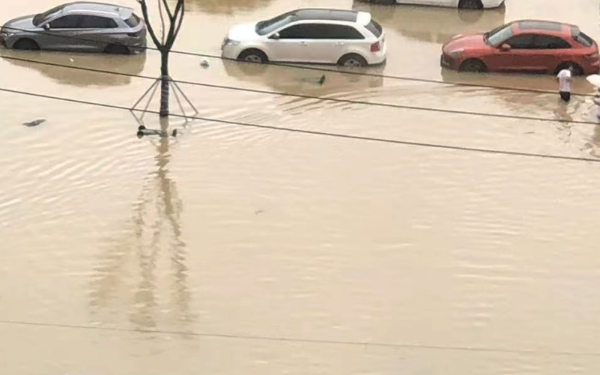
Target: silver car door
98, 32
62, 34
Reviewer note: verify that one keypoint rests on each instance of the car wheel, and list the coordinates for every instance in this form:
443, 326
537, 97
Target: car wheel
352, 60
253, 55
470, 4
117, 49
26, 44
473, 66
577, 70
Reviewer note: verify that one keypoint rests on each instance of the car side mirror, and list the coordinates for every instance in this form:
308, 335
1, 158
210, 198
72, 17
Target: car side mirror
46, 27
505, 48
275, 36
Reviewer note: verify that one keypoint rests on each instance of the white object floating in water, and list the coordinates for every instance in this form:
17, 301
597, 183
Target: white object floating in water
594, 79
204, 63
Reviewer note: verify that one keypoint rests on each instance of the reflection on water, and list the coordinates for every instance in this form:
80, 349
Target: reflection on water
306, 82
126, 64
157, 233
530, 94
258, 233
225, 6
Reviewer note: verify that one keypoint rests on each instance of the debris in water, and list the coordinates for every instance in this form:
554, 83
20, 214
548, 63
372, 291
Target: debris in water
34, 122
142, 131
320, 81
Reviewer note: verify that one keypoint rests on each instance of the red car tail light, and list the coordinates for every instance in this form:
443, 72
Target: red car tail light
375, 47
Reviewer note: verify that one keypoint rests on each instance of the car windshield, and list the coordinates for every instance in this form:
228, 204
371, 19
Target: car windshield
498, 35
268, 26
40, 18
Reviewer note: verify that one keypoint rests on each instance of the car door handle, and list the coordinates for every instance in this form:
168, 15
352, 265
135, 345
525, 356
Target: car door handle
303, 43
339, 44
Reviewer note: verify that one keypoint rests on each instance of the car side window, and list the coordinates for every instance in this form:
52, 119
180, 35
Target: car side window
523, 41
302, 31
550, 42
320, 31
338, 32
95, 22
66, 22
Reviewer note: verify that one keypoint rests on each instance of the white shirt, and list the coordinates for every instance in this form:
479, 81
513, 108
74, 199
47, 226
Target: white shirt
564, 80
596, 101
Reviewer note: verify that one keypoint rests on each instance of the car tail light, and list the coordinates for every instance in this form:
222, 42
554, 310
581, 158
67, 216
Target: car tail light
375, 47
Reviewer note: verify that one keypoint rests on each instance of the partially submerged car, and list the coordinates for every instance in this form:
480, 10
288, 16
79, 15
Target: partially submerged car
524, 46
78, 27
460, 4
318, 36
435, 25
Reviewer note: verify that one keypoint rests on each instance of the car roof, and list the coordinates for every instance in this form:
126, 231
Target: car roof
324, 14
543, 26
94, 8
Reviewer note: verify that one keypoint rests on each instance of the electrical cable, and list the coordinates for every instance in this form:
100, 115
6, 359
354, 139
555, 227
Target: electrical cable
314, 68
338, 100
315, 132
304, 341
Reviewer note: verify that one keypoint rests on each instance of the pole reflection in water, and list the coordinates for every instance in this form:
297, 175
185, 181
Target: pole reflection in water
132, 276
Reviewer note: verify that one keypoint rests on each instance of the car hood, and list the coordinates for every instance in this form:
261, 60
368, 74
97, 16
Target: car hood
243, 32
19, 24
458, 42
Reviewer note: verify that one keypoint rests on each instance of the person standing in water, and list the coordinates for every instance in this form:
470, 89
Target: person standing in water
565, 78
597, 102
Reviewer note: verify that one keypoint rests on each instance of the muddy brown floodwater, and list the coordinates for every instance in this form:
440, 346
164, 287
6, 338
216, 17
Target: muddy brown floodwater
256, 251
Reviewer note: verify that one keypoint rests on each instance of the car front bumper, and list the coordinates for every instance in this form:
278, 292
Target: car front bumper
447, 62
492, 3
231, 51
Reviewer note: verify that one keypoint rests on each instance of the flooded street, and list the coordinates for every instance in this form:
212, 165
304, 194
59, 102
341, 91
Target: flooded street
242, 250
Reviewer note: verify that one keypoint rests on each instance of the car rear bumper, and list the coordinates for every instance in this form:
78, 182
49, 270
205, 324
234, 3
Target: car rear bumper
592, 68
376, 58
379, 57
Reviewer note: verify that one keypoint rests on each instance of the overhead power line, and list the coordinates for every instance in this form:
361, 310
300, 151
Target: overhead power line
315, 132
338, 100
306, 341
320, 69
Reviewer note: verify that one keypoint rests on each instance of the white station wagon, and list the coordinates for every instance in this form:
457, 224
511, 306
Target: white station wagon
461, 4
322, 36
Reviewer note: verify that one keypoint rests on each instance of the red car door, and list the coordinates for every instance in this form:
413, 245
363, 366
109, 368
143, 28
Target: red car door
520, 56
552, 51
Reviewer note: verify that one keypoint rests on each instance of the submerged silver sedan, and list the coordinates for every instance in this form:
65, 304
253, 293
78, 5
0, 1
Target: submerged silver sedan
80, 27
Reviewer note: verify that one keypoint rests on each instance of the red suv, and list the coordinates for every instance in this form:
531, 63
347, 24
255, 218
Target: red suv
526, 46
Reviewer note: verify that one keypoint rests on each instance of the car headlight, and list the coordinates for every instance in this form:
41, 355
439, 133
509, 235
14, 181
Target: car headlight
456, 53
230, 42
